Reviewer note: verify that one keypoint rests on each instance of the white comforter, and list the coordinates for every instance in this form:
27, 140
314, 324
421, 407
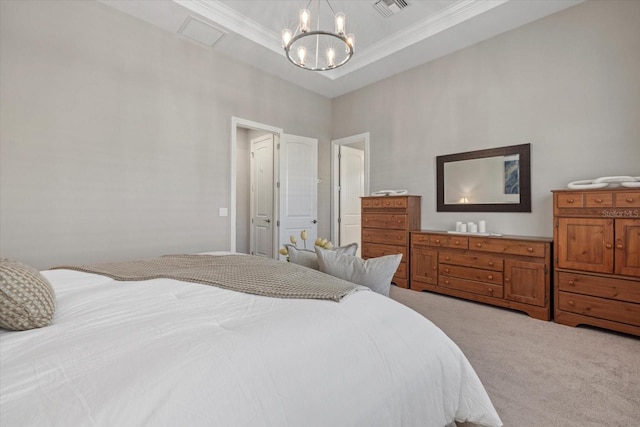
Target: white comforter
169, 353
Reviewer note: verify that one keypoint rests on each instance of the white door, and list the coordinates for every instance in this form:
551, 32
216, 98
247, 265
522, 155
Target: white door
351, 189
262, 201
298, 192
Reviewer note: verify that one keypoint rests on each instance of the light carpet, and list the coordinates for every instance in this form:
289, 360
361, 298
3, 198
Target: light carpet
537, 373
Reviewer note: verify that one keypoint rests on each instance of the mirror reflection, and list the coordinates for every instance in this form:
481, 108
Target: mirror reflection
485, 180
492, 180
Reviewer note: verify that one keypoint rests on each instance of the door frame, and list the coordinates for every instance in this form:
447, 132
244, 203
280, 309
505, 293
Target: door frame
335, 178
237, 122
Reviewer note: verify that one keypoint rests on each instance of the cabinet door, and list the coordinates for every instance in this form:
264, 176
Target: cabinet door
628, 247
525, 282
585, 244
424, 265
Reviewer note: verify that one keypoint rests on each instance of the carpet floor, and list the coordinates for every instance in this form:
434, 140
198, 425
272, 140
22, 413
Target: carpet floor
537, 373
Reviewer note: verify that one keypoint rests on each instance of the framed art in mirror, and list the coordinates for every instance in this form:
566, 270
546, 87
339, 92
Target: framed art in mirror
492, 180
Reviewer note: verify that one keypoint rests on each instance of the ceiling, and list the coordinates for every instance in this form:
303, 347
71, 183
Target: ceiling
249, 31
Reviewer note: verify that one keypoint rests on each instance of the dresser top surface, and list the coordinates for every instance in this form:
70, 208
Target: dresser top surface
503, 237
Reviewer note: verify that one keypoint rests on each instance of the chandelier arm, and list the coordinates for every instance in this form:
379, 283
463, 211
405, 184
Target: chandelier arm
329, 4
316, 33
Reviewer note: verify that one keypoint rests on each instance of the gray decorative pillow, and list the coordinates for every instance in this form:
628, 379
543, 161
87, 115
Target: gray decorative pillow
27, 300
303, 257
374, 273
308, 258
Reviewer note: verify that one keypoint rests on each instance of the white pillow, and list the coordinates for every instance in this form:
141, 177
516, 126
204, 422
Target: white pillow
308, 258
374, 273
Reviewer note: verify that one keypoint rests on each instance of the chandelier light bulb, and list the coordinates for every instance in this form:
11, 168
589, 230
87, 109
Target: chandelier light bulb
351, 40
340, 23
302, 54
286, 37
331, 57
305, 20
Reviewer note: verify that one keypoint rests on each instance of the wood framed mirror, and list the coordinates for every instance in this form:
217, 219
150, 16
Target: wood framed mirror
492, 180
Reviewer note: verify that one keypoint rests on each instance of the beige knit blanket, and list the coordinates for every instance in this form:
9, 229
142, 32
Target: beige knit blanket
241, 273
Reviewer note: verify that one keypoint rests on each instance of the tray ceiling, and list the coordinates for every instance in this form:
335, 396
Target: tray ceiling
249, 31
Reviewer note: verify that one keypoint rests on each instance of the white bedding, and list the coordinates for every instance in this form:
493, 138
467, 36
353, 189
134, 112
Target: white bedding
169, 353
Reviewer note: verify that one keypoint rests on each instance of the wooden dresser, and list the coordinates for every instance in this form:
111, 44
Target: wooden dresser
597, 261
386, 222
508, 271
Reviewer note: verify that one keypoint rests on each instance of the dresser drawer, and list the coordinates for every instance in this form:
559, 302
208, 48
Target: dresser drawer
485, 262
441, 240
479, 275
401, 272
384, 202
504, 246
601, 308
374, 250
470, 286
380, 235
627, 200
569, 200
598, 200
457, 242
605, 287
420, 239
375, 220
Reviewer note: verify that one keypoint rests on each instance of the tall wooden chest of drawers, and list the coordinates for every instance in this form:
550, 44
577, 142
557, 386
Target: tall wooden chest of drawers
597, 258
508, 271
386, 222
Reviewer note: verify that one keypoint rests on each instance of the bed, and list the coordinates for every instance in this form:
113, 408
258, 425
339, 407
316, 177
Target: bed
166, 352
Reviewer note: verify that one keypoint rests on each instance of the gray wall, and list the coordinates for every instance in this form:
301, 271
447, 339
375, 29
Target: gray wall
569, 84
115, 135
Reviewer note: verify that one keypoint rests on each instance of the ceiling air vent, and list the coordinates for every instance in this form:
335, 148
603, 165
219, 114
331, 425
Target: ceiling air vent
388, 8
200, 31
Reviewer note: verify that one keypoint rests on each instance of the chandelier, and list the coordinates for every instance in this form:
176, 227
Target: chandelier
318, 50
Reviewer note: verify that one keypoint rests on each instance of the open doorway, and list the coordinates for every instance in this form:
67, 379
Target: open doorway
350, 181
274, 187
242, 132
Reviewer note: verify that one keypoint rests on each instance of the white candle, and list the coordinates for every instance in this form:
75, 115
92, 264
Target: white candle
482, 226
458, 225
463, 228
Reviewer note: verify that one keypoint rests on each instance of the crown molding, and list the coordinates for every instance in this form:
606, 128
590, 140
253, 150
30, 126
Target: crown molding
453, 15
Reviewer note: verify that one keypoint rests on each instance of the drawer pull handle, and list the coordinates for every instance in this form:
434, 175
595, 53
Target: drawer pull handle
490, 290
438, 241
529, 249
619, 246
629, 199
447, 282
507, 279
479, 245
571, 283
571, 303
608, 246
446, 270
490, 277
598, 200
447, 258
491, 263
457, 242
570, 201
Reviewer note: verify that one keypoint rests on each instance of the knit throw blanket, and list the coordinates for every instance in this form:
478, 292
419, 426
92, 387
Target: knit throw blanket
241, 273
